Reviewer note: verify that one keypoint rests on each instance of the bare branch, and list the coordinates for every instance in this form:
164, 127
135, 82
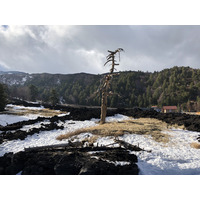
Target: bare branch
107, 62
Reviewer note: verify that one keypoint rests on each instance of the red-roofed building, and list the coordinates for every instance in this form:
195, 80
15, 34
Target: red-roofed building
169, 109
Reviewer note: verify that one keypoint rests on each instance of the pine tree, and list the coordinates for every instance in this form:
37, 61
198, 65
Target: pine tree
2, 98
54, 97
33, 92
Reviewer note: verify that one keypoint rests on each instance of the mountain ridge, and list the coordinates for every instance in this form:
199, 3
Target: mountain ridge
172, 86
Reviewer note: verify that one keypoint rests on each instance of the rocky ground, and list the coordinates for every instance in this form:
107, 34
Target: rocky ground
190, 122
79, 159
68, 160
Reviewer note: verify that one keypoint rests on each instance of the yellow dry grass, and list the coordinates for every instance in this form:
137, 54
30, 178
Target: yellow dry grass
43, 112
195, 145
144, 126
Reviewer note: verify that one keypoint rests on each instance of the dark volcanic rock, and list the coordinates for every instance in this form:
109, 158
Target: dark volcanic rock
19, 134
68, 162
5, 161
118, 155
100, 167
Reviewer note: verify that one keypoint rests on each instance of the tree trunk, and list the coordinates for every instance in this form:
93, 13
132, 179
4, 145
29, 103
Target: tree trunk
103, 107
106, 85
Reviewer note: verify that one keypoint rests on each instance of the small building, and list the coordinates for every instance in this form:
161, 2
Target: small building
169, 109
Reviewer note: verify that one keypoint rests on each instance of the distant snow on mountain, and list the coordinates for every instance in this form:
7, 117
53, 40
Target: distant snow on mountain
14, 77
11, 72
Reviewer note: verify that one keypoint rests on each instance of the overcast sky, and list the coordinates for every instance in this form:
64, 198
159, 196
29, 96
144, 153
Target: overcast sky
75, 49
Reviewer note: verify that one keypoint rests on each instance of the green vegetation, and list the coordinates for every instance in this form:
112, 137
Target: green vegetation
178, 86
2, 97
33, 92
54, 97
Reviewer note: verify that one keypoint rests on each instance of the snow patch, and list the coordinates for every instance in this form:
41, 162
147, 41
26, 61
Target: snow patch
173, 158
24, 79
63, 114
116, 118
19, 173
44, 138
36, 125
6, 119
15, 107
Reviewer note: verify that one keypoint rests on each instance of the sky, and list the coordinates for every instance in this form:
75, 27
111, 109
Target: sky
83, 48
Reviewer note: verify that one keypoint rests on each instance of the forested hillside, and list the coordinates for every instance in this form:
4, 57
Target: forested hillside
2, 97
178, 86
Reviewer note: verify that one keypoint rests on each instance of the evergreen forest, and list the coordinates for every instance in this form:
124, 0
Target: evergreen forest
3, 99
178, 86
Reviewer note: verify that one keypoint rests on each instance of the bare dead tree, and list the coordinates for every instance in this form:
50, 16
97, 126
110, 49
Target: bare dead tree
107, 81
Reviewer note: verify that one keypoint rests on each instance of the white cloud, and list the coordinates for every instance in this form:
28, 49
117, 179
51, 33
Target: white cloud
93, 58
4, 66
73, 49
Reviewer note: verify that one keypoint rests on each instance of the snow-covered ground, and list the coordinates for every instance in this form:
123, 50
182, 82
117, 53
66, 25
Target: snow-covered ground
10, 118
175, 157
17, 107
49, 137
6, 119
43, 138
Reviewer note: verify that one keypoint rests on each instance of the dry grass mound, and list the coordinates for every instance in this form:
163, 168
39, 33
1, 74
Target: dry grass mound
142, 126
195, 145
42, 112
